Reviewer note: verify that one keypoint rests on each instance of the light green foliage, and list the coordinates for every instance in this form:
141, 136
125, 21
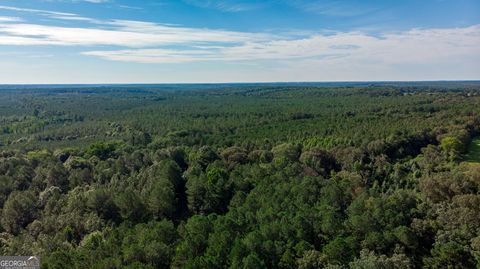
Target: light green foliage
369, 260
101, 150
452, 147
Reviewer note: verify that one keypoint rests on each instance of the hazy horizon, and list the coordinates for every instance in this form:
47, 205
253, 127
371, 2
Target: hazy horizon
313, 83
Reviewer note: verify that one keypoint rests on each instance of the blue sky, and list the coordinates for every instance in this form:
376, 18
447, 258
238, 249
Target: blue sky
155, 41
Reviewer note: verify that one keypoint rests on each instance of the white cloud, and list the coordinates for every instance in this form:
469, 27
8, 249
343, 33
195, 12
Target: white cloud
39, 11
147, 42
118, 33
130, 7
9, 19
49, 13
156, 55
355, 54
417, 46
74, 18
109, 32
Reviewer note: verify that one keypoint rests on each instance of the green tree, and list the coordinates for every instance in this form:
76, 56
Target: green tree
102, 150
19, 210
151, 244
370, 260
449, 255
209, 193
452, 146
194, 238
130, 205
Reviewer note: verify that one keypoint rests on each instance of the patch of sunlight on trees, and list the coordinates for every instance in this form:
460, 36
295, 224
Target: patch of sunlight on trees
473, 155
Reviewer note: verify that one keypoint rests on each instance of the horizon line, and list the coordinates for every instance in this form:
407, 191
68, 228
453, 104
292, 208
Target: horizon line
250, 82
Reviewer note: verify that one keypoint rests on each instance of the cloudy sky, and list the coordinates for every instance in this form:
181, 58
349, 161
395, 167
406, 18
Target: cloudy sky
156, 41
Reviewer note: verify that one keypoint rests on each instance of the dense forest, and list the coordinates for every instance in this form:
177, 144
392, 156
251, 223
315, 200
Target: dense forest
257, 176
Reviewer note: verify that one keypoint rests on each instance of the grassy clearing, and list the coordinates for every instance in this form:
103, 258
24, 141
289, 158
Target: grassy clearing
474, 151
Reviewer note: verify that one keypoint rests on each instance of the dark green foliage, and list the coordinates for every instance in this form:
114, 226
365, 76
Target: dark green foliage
130, 206
101, 201
321, 161
19, 210
193, 241
150, 244
209, 192
449, 255
247, 177
474, 151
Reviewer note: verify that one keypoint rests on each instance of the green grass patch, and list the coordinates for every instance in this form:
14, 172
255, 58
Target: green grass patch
474, 151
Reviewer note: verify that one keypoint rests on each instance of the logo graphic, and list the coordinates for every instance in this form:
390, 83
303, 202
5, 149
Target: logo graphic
33, 261
19, 262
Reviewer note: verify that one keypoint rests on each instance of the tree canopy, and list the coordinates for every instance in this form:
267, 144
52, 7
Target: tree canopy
378, 176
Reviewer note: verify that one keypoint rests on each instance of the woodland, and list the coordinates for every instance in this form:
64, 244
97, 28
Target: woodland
242, 176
